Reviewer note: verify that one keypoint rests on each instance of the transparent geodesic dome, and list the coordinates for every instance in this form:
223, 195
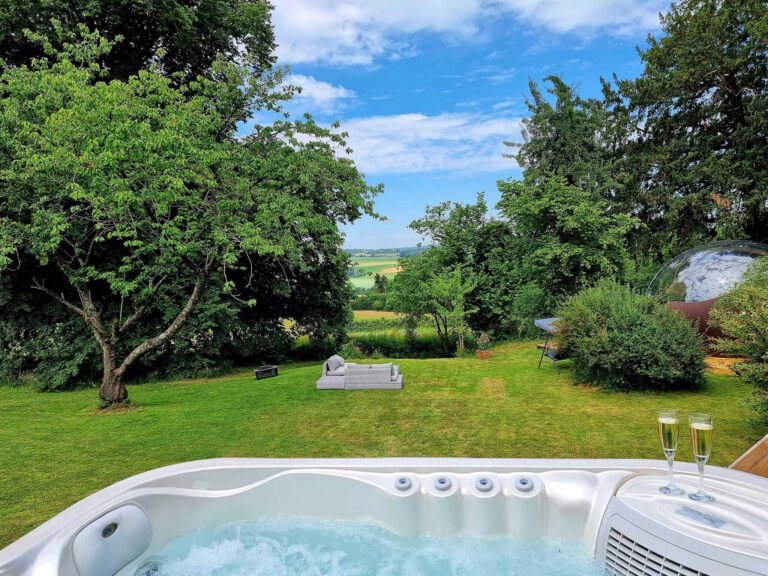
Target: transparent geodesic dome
706, 272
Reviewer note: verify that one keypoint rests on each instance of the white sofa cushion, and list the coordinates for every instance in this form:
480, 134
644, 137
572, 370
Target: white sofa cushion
334, 362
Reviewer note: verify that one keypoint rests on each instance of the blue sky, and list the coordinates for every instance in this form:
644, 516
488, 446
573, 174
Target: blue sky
428, 90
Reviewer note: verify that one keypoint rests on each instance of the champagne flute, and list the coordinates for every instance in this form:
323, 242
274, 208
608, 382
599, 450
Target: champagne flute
669, 433
701, 442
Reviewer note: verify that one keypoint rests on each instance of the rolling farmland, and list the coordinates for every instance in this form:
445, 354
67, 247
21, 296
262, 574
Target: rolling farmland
366, 267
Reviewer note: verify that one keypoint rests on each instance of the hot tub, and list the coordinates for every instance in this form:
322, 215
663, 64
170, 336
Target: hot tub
610, 509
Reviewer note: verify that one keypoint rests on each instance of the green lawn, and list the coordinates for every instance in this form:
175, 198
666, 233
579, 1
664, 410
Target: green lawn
56, 449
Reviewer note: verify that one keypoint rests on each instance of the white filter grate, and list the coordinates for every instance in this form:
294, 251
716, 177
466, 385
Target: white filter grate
625, 557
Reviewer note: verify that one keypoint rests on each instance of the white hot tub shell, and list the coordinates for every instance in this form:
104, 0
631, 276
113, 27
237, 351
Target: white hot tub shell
612, 506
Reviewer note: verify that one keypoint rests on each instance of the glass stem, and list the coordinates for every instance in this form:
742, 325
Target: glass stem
670, 463
701, 462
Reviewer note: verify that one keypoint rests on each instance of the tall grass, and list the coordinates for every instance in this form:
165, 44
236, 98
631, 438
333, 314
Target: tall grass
379, 335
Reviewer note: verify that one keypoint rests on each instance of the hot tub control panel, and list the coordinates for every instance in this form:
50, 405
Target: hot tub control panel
648, 533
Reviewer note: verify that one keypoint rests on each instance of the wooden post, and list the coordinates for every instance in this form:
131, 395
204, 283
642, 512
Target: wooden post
754, 460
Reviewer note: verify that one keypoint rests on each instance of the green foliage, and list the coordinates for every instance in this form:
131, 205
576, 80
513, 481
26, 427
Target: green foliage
498, 261
130, 203
574, 238
374, 298
640, 273
742, 315
410, 323
191, 33
380, 283
559, 229
508, 296
530, 302
405, 336
454, 226
372, 324
373, 341
369, 300
427, 287
623, 340
396, 344
483, 341
698, 164
568, 138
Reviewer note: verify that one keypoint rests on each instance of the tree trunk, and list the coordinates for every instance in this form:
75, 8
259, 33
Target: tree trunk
112, 389
441, 333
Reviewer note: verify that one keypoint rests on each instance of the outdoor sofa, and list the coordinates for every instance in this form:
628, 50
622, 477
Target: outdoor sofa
341, 375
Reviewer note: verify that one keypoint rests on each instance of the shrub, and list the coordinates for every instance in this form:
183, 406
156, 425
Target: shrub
620, 339
382, 344
349, 350
484, 341
395, 344
309, 349
742, 316
369, 300
529, 303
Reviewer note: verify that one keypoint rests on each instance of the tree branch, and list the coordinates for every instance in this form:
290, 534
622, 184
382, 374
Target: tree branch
173, 328
93, 318
132, 319
58, 297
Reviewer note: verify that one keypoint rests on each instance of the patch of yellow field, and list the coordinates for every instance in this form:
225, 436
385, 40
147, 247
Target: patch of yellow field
718, 365
373, 314
391, 270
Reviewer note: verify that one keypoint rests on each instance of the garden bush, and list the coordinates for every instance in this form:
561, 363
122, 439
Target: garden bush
389, 344
623, 340
742, 316
396, 344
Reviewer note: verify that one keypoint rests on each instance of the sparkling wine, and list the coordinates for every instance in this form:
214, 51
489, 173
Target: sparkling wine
669, 429
701, 438
668, 422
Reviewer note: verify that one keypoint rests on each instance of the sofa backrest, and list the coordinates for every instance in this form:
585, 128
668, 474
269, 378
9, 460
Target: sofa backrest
369, 373
333, 362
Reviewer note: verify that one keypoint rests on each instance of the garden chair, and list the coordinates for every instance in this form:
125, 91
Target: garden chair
548, 349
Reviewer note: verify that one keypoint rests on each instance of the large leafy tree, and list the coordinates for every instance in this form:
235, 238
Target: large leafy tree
504, 296
189, 33
427, 287
742, 315
574, 238
699, 150
120, 195
573, 138
455, 227
566, 209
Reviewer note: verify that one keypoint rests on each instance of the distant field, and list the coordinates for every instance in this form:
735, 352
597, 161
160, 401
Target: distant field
374, 314
386, 265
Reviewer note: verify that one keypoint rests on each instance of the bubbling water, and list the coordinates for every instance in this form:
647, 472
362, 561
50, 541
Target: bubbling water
312, 547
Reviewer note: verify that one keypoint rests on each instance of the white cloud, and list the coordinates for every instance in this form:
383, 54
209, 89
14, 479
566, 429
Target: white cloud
317, 95
508, 103
356, 31
359, 31
408, 143
614, 17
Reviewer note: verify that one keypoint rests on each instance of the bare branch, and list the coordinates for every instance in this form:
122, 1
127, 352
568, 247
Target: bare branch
58, 297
